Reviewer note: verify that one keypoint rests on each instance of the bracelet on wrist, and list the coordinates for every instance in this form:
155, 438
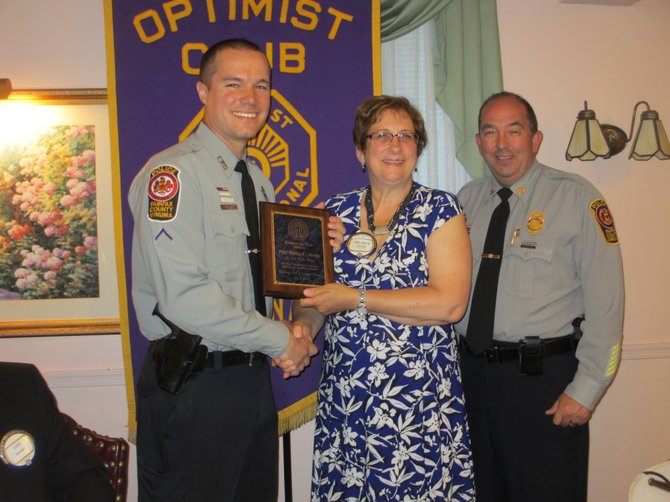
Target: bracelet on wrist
362, 310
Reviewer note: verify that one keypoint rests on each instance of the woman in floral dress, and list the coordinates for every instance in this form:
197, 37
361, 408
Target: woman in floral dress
391, 419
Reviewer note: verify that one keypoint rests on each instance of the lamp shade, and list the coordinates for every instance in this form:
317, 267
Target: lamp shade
587, 141
651, 139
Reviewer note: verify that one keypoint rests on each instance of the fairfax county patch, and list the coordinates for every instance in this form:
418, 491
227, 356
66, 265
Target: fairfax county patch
163, 193
603, 217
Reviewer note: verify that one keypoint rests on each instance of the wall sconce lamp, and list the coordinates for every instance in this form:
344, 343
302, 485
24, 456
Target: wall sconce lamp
591, 139
51, 96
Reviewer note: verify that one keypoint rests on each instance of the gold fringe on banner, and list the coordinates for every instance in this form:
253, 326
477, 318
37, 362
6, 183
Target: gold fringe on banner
299, 413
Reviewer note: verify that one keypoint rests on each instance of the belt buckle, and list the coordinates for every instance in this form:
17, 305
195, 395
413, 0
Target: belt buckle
493, 354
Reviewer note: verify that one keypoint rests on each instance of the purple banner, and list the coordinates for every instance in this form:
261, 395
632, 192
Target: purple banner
325, 60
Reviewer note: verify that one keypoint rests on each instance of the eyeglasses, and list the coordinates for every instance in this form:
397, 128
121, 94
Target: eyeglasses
387, 137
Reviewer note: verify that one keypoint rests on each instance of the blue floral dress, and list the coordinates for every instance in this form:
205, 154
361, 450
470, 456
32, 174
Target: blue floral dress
391, 419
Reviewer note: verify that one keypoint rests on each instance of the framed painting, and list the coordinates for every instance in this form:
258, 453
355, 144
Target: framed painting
57, 255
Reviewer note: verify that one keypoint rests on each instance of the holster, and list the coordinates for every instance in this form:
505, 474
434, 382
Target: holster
177, 357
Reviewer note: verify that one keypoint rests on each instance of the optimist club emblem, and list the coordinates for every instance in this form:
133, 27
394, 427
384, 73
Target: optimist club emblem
163, 193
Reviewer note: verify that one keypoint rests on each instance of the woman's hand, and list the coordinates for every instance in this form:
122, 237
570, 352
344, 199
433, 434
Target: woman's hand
330, 298
335, 230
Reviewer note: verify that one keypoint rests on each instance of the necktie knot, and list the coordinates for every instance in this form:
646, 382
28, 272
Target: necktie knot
241, 167
504, 194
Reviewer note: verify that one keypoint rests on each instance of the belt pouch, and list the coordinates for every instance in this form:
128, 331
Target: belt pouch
531, 356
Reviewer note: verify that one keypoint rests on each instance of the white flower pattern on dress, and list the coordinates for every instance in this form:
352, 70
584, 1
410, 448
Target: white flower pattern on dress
390, 424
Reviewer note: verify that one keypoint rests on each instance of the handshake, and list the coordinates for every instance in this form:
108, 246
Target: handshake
300, 349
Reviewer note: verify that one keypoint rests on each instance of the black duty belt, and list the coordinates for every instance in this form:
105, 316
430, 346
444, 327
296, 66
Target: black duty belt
232, 357
504, 351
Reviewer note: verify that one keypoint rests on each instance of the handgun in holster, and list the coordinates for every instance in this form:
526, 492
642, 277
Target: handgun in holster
177, 357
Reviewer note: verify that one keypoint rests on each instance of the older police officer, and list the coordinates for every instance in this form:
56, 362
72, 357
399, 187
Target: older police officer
531, 382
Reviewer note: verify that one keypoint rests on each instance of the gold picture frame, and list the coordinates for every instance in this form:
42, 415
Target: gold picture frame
60, 96
64, 316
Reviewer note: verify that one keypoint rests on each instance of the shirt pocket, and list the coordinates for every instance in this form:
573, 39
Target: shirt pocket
228, 253
529, 271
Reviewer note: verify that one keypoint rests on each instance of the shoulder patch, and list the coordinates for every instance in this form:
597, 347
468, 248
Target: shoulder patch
163, 193
604, 219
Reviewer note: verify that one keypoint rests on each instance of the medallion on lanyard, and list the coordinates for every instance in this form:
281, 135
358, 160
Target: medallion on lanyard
361, 244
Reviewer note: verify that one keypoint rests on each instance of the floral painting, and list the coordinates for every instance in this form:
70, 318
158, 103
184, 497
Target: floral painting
48, 221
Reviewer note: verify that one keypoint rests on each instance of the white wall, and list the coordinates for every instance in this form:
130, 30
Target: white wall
556, 55
61, 45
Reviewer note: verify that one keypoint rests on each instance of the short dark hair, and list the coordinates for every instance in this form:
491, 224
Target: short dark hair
208, 62
530, 113
370, 110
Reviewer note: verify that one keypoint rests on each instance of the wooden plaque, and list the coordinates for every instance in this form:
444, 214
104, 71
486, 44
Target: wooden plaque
295, 250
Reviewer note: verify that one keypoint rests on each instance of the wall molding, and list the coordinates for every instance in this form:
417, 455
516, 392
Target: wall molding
652, 350
110, 377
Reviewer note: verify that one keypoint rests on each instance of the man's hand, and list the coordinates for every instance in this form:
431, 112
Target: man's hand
299, 351
569, 413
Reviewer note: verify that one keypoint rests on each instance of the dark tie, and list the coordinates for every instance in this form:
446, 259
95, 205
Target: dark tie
482, 311
253, 241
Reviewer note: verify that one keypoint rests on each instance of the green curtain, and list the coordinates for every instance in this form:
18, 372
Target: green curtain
402, 16
467, 70
466, 59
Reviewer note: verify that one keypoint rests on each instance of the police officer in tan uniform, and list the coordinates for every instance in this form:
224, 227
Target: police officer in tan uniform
531, 393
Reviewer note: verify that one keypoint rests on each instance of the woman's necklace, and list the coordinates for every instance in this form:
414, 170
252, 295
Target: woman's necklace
370, 209
364, 244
